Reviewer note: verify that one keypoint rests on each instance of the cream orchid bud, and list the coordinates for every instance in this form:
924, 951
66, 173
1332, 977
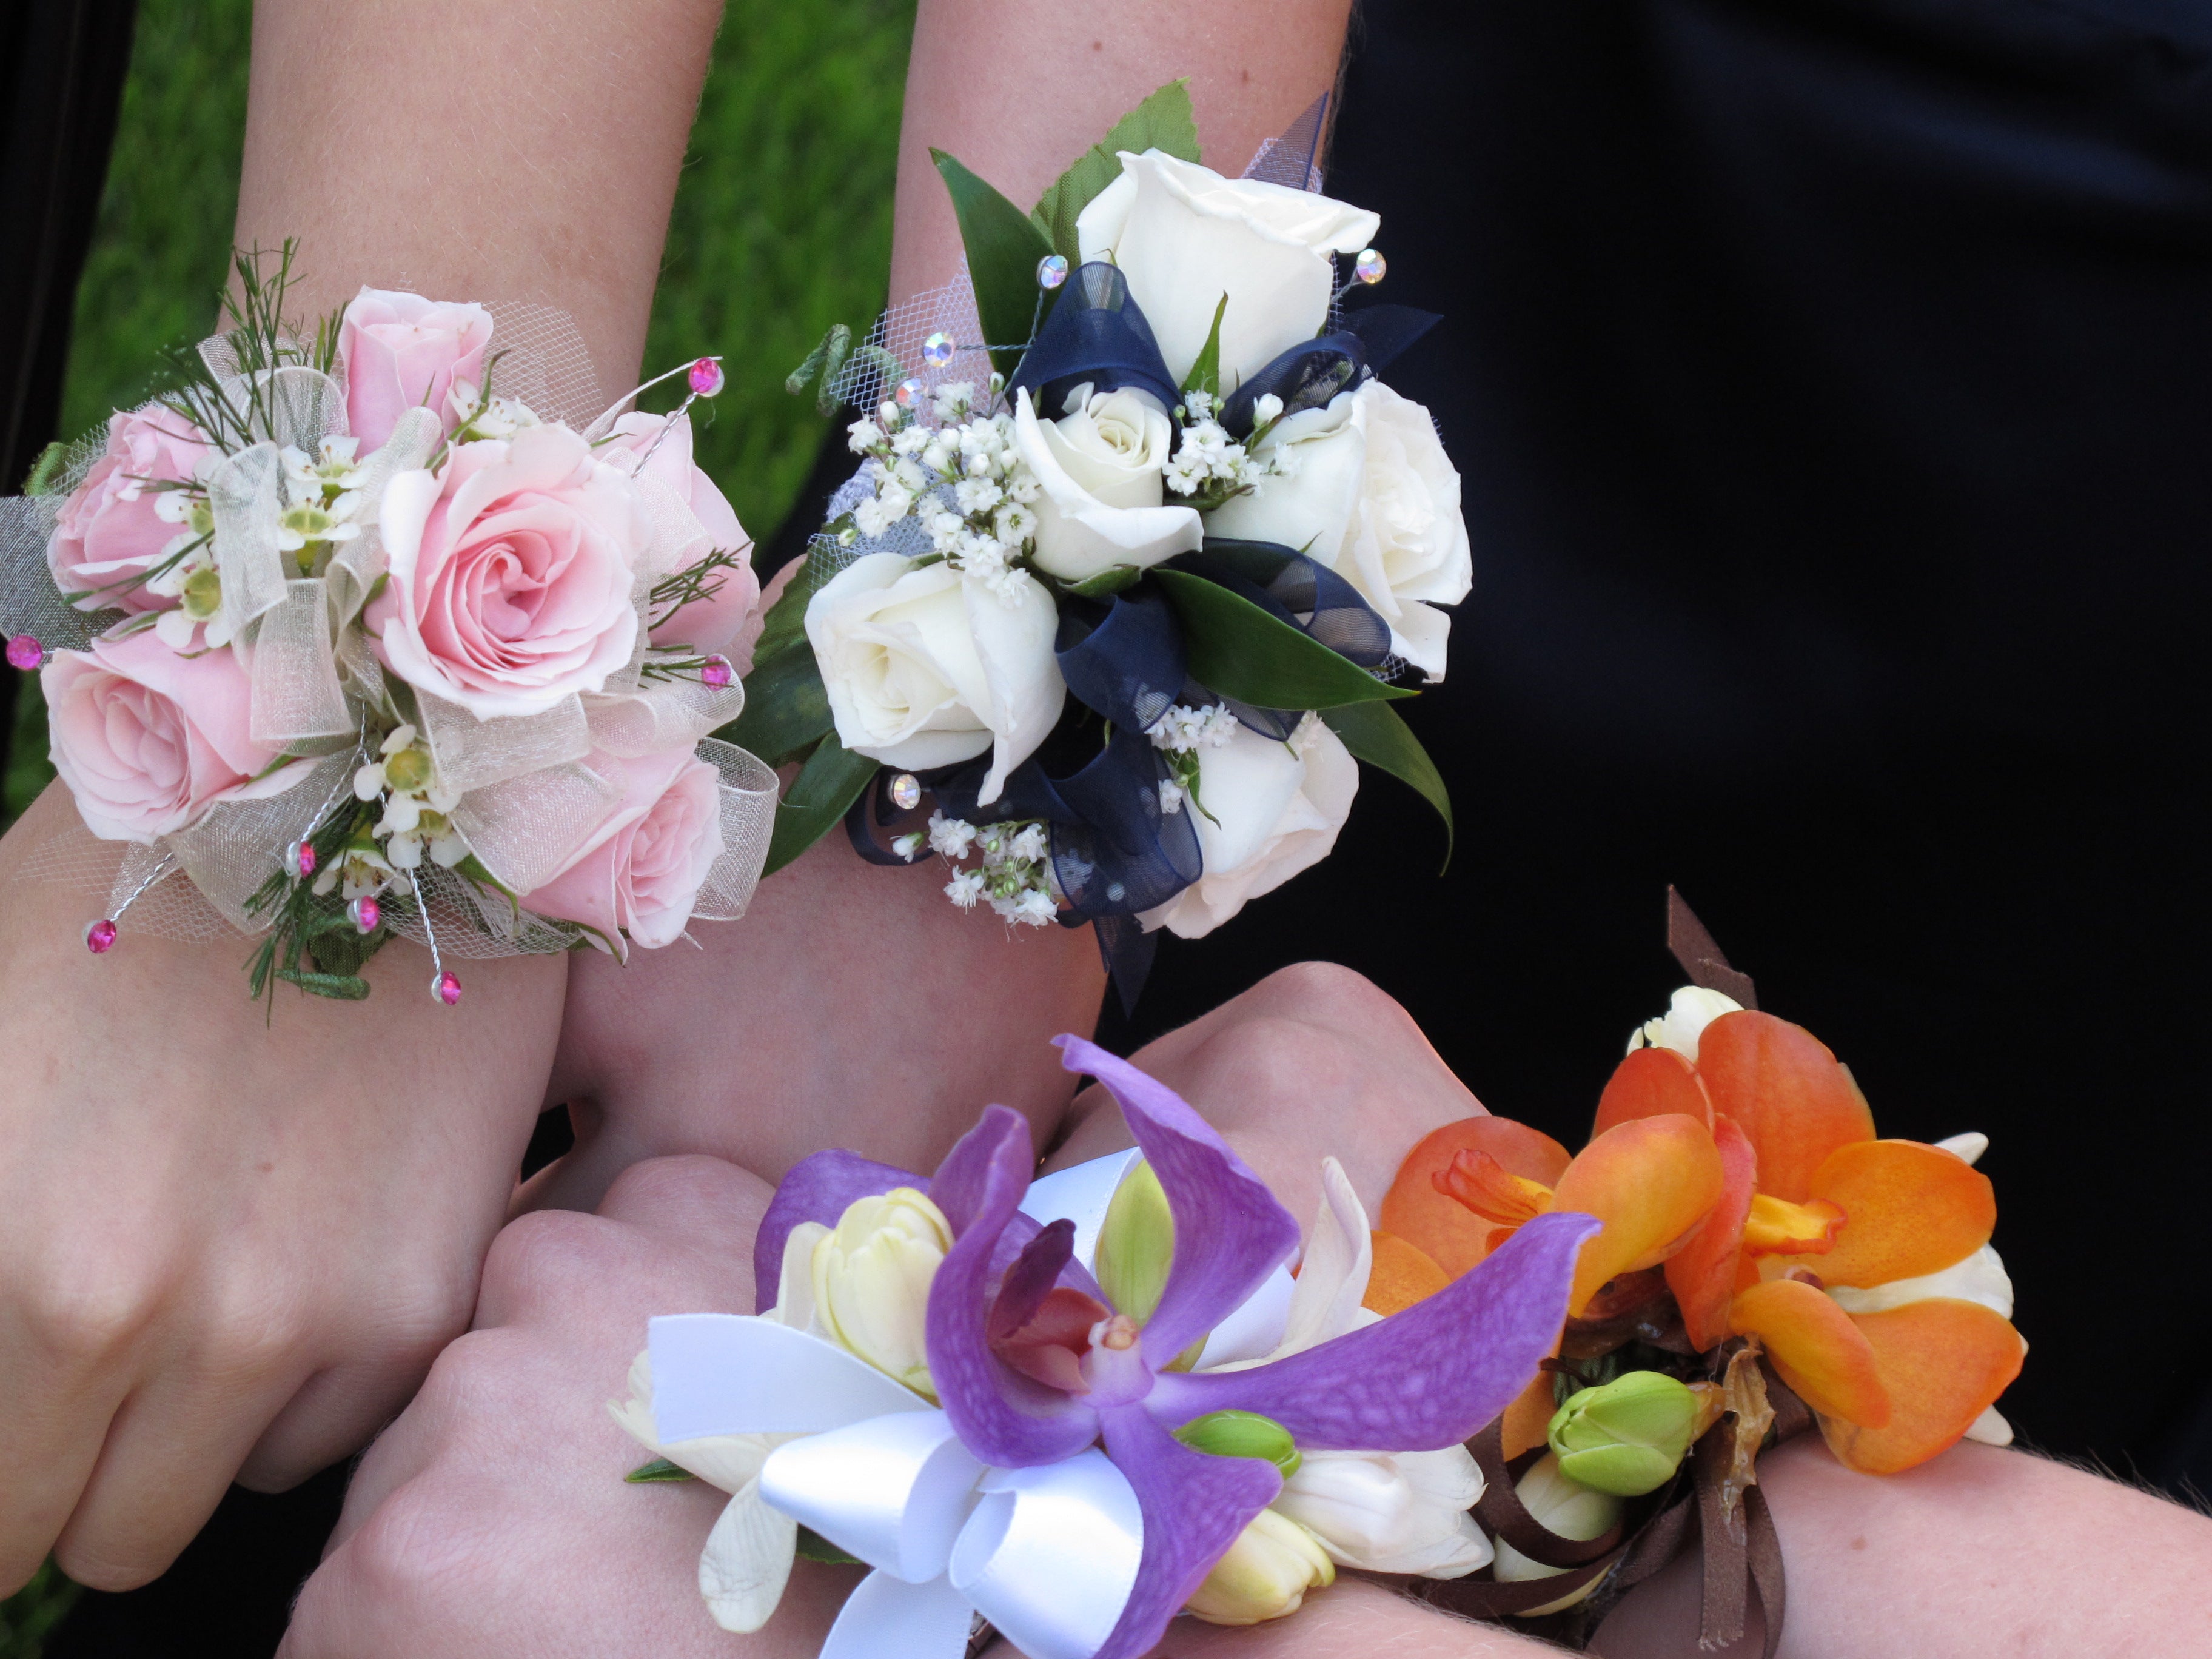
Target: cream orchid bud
1265, 1574
1568, 1508
871, 1276
1136, 1243
1391, 1511
1626, 1437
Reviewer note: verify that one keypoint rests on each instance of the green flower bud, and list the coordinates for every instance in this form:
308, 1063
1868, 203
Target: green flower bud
1136, 1243
1626, 1437
1243, 1434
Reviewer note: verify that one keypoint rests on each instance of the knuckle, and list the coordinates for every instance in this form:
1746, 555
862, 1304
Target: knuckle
84, 1313
689, 1181
417, 1550
538, 1253
1327, 994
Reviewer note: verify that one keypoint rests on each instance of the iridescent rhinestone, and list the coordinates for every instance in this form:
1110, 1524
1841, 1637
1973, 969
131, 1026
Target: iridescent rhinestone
705, 378
716, 672
936, 350
365, 913
910, 393
1370, 266
300, 860
24, 652
100, 936
1052, 270
906, 792
446, 988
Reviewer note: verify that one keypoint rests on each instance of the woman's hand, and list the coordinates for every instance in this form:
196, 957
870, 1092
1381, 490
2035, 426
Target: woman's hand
493, 1518
231, 1235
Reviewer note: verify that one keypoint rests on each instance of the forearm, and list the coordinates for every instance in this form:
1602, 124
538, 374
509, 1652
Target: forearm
1977, 1553
1018, 88
523, 151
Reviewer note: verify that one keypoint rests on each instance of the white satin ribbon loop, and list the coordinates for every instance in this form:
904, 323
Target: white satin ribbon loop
893, 1491
735, 1374
1050, 1555
888, 1618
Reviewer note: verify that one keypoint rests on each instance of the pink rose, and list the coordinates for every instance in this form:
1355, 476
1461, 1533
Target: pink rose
640, 872
147, 740
729, 619
401, 351
109, 529
511, 572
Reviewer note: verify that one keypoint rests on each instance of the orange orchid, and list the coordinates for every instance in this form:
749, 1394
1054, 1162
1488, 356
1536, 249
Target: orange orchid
1731, 1149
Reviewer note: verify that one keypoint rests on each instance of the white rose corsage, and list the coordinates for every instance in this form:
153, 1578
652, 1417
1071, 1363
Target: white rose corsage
1109, 613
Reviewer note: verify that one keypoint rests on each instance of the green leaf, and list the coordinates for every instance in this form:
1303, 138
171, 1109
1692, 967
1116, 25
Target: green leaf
659, 1469
785, 625
813, 1546
825, 360
826, 786
46, 471
1003, 250
1206, 373
786, 709
1107, 583
342, 988
1162, 122
1374, 732
1237, 650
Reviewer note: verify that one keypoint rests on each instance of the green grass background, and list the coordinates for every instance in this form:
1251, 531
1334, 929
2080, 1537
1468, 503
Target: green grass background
781, 227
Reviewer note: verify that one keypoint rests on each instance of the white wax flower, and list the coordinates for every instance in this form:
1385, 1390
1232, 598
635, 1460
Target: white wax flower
1098, 470
1184, 236
1276, 808
923, 668
872, 1275
1363, 486
1689, 1011
1391, 1511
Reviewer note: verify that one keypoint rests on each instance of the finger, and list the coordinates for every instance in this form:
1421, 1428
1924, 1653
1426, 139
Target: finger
169, 1457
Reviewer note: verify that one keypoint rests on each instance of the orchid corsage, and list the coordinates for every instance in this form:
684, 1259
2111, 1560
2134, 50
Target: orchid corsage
384, 628
1139, 549
1075, 1407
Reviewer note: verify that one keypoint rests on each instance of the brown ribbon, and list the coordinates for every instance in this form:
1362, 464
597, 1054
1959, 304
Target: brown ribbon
1701, 958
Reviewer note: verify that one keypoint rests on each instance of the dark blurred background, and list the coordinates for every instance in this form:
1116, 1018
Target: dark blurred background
1832, 389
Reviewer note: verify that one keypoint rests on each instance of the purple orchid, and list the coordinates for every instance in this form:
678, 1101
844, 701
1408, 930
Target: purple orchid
1008, 1294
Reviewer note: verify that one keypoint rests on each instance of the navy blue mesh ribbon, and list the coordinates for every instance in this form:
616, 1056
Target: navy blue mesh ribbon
1297, 590
1312, 372
1095, 333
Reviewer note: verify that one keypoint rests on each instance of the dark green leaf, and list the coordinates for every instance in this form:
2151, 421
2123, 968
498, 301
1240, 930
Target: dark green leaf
1374, 732
829, 784
813, 1546
1003, 250
1206, 373
1237, 650
343, 988
786, 708
1162, 122
473, 868
659, 1469
1107, 583
46, 471
824, 361
785, 625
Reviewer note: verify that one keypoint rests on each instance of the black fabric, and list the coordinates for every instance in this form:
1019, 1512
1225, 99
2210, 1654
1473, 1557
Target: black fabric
1832, 385
61, 64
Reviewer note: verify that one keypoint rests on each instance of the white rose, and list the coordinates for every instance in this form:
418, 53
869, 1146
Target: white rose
1367, 489
1279, 806
1391, 1512
1099, 471
1184, 236
924, 668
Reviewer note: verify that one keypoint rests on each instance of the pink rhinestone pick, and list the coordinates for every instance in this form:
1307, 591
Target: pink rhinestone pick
446, 988
705, 378
716, 672
100, 936
24, 652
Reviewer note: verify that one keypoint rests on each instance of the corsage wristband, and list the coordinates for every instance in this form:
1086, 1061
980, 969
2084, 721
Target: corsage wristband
386, 628
1138, 548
